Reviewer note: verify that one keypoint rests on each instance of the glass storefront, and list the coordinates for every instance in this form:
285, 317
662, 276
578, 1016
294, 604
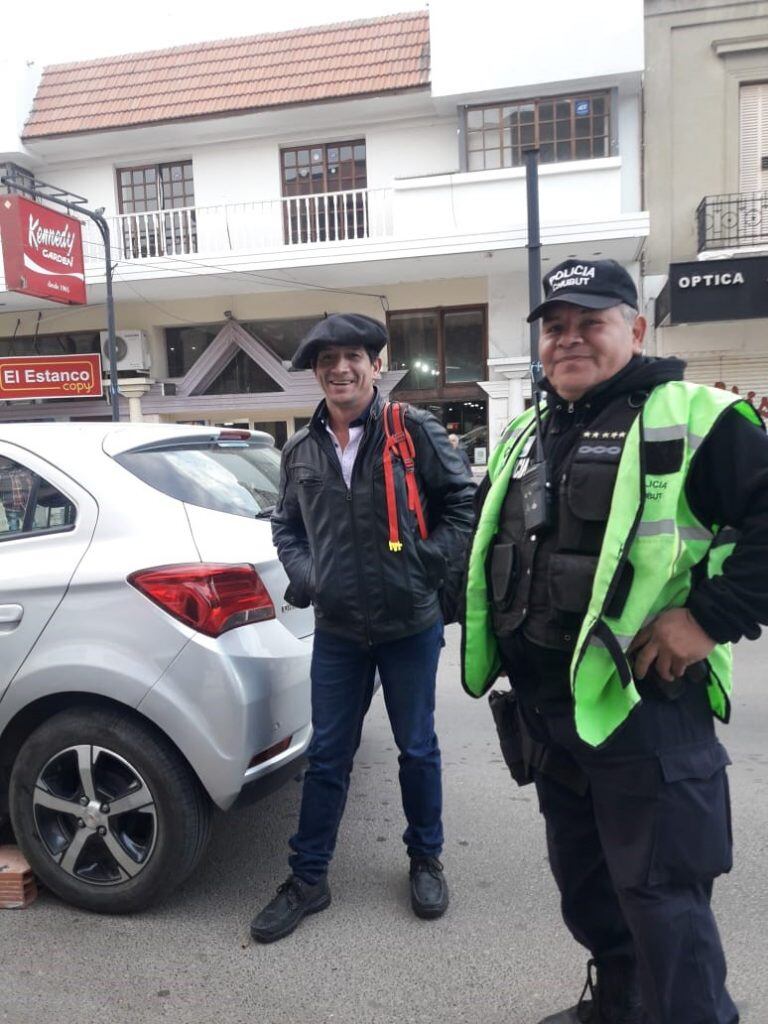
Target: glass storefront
185, 345
469, 421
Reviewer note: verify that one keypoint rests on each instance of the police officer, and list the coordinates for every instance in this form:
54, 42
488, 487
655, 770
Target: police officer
616, 556
378, 597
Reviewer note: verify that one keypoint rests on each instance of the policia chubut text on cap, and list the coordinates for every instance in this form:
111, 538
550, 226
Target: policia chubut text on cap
611, 606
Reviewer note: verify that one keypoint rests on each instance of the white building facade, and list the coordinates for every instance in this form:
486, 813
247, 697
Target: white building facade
400, 193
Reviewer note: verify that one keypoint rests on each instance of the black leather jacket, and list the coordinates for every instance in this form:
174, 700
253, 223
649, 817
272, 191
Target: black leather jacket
334, 542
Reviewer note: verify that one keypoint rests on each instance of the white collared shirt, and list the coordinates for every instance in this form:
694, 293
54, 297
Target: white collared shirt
348, 456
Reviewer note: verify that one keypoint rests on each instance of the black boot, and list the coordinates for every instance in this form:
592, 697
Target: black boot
429, 889
294, 900
611, 995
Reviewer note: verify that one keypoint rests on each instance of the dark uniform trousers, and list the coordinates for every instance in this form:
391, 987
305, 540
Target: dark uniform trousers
634, 854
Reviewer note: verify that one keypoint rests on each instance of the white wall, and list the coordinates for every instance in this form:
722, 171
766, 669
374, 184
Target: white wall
630, 142
248, 171
403, 151
492, 46
577, 192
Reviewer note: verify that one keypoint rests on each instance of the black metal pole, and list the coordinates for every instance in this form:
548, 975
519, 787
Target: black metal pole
103, 227
534, 253
114, 395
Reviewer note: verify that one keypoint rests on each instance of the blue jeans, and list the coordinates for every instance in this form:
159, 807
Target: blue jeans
342, 687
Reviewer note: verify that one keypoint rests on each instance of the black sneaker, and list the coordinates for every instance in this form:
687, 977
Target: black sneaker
295, 898
429, 889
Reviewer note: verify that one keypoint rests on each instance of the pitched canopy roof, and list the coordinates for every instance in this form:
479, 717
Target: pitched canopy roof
231, 76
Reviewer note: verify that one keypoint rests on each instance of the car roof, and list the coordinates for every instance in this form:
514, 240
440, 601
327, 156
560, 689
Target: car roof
52, 440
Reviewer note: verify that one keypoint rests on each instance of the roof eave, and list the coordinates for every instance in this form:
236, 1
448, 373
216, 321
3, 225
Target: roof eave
219, 115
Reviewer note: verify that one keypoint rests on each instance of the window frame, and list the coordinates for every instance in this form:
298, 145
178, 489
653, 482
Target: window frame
158, 169
608, 95
318, 215
458, 390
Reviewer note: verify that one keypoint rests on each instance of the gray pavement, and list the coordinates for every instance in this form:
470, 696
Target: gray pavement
499, 956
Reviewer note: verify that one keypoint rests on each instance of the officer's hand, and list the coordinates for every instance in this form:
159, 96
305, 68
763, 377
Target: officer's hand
673, 641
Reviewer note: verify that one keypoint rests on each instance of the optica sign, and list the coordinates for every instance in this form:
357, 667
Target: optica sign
42, 251
29, 377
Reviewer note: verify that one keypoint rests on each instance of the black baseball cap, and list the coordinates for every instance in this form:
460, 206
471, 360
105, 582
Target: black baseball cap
340, 329
594, 284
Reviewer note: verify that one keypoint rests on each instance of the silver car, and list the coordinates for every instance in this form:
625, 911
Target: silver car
149, 666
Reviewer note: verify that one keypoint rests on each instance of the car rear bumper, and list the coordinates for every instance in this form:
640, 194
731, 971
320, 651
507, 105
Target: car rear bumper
226, 701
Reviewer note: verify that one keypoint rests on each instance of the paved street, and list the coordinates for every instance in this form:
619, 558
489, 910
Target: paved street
500, 955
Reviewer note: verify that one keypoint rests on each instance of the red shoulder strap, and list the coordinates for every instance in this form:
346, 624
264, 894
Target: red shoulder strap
399, 441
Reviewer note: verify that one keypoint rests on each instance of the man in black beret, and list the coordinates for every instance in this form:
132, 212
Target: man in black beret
346, 527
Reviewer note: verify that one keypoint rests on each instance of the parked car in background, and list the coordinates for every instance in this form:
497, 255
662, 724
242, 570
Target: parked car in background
149, 666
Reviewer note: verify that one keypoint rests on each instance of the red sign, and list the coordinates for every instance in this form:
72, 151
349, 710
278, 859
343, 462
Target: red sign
42, 251
50, 377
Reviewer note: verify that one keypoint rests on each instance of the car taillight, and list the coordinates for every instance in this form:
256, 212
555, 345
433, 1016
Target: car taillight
209, 598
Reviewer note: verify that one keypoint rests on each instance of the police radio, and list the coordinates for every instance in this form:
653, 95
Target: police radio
535, 485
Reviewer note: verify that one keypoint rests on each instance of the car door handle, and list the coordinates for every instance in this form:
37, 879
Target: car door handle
10, 614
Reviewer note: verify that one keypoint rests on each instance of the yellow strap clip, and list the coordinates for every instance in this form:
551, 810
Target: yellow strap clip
395, 545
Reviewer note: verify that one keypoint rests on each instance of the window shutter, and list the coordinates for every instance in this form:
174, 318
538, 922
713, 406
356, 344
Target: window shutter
753, 136
747, 373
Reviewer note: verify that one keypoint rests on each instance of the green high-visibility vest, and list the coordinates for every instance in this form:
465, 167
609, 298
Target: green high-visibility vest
651, 524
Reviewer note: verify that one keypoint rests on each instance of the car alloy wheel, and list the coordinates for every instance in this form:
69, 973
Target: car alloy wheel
106, 810
95, 815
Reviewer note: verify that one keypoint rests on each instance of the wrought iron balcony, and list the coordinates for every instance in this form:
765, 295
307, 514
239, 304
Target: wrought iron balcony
737, 221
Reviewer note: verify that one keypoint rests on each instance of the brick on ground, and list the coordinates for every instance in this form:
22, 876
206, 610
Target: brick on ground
17, 883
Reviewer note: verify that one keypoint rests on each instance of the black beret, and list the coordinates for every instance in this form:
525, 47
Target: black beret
340, 329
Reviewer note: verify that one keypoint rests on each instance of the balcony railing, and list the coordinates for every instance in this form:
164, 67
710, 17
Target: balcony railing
251, 227
734, 221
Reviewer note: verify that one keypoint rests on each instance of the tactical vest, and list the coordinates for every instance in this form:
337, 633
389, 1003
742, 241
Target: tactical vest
651, 546
541, 581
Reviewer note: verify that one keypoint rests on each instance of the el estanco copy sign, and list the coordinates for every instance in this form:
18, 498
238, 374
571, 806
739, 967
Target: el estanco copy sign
26, 377
42, 251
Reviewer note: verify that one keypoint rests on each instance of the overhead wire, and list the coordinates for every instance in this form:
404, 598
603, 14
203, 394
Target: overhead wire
285, 282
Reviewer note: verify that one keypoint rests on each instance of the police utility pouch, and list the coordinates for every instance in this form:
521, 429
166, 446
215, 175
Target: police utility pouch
536, 501
503, 575
503, 704
523, 755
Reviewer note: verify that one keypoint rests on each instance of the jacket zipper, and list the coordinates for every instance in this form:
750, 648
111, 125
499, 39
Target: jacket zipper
327, 445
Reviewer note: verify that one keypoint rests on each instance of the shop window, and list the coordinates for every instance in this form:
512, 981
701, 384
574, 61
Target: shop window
443, 350
469, 421
277, 428
241, 376
69, 344
562, 127
282, 336
413, 346
185, 345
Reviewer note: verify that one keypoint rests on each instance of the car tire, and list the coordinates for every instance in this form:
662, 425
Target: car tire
106, 811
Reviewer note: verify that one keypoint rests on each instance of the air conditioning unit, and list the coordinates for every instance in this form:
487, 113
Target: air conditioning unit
131, 349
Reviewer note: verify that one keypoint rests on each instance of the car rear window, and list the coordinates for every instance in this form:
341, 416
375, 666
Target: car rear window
240, 477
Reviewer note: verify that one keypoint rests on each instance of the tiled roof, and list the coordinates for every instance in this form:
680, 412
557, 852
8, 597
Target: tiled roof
231, 76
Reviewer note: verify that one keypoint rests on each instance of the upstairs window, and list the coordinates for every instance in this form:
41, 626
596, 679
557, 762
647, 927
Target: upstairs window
563, 127
158, 200
312, 178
